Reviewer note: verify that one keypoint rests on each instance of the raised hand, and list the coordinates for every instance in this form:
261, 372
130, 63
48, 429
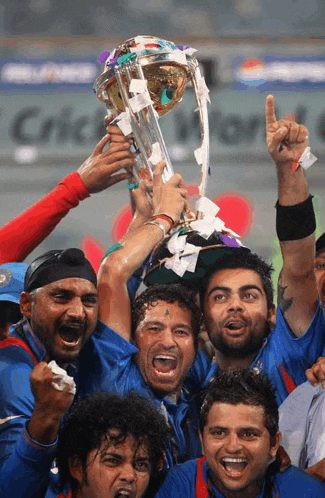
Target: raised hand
171, 197
286, 140
50, 404
100, 170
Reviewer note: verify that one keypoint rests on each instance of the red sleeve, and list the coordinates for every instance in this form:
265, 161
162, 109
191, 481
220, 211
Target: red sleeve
23, 234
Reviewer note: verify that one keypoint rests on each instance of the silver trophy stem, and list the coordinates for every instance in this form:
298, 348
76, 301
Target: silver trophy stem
144, 123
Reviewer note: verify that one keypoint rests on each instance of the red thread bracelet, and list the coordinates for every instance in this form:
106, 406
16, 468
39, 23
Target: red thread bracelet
165, 217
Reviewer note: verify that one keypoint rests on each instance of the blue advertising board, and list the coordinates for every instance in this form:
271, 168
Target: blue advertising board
47, 74
270, 73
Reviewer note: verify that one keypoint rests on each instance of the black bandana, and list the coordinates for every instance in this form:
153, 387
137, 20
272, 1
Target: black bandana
57, 265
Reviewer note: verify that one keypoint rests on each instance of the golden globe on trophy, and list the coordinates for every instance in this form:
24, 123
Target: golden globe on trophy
144, 78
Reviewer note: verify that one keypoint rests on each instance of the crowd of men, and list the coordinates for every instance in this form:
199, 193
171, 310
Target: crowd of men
105, 392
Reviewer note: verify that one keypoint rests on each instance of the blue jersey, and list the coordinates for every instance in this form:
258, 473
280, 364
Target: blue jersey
183, 480
283, 358
122, 376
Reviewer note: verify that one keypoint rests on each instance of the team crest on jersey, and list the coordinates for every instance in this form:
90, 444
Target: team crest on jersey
5, 277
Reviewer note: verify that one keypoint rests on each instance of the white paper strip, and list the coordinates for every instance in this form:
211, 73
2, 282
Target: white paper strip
307, 158
156, 154
206, 207
140, 101
176, 265
125, 126
176, 243
138, 86
189, 51
62, 381
179, 57
203, 91
191, 261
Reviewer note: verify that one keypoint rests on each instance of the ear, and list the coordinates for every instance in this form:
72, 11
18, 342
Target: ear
26, 303
202, 444
272, 315
277, 442
76, 469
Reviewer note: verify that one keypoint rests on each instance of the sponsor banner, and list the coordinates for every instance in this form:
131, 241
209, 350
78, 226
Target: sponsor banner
69, 124
47, 75
276, 72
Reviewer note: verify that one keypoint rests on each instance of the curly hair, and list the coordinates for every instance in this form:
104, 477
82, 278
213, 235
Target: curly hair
242, 386
169, 293
241, 258
90, 420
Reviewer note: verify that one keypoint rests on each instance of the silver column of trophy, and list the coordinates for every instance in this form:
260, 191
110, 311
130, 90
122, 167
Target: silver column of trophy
143, 79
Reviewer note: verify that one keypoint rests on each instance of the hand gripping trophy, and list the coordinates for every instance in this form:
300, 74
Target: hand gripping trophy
143, 79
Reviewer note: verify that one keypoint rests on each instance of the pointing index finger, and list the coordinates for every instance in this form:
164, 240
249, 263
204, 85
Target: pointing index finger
269, 110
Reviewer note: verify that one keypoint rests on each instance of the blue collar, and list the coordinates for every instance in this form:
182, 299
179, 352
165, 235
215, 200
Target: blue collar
215, 492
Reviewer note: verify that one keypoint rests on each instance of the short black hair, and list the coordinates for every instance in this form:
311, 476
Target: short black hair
9, 313
320, 244
246, 387
90, 420
242, 258
169, 293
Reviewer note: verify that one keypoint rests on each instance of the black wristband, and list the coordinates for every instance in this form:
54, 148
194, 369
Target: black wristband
295, 222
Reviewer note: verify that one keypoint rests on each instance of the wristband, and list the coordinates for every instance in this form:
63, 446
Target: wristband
295, 222
132, 186
159, 225
116, 246
165, 217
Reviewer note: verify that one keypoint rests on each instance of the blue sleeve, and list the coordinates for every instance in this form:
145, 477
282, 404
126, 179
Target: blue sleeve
136, 279
106, 364
284, 358
295, 482
180, 481
200, 373
24, 463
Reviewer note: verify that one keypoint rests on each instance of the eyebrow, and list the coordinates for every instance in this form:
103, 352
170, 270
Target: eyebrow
241, 289
156, 322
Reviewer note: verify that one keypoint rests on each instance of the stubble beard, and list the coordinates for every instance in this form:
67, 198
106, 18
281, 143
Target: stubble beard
242, 349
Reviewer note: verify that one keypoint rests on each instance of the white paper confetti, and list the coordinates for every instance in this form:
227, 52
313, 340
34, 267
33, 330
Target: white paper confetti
203, 91
207, 207
176, 243
176, 265
138, 86
140, 101
156, 154
62, 380
180, 57
189, 51
307, 158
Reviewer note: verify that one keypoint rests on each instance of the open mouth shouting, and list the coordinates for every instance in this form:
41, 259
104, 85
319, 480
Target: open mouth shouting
71, 335
235, 326
234, 467
124, 492
165, 364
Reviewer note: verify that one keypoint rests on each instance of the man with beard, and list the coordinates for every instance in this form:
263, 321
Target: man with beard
59, 305
237, 294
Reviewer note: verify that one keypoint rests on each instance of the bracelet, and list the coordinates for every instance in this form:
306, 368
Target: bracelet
165, 217
295, 222
159, 225
132, 186
116, 246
